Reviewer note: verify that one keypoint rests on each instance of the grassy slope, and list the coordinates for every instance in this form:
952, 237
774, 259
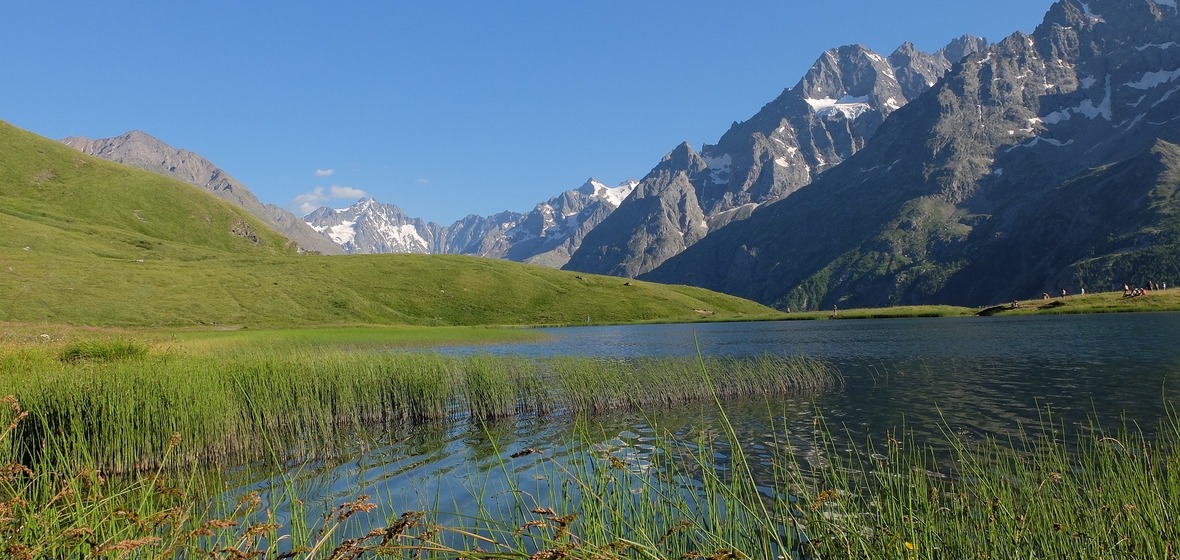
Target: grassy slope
92, 242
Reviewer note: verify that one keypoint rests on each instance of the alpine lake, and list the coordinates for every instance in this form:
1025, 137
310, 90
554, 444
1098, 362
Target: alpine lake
930, 381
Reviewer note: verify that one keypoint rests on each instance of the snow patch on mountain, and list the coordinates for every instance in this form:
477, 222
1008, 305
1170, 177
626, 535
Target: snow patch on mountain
719, 168
1161, 46
341, 234
1153, 79
1038, 140
405, 235
1166, 96
849, 106
1086, 108
616, 195
1093, 16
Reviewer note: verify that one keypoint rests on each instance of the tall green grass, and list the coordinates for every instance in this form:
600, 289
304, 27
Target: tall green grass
118, 407
1099, 495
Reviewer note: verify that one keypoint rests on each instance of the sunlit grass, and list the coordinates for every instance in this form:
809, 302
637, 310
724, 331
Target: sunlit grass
116, 403
1101, 302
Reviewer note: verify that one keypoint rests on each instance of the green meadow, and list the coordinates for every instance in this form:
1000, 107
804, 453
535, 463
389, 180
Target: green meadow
1101, 302
89, 242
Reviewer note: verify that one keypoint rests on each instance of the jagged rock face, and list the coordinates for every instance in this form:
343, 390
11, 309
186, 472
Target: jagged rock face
143, 151
990, 186
961, 48
666, 203
915, 70
545, 236
555, 229
826, 117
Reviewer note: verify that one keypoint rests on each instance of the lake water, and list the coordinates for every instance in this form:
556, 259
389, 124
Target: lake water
975, 377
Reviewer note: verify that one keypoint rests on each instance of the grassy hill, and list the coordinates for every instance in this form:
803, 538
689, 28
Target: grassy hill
93, 242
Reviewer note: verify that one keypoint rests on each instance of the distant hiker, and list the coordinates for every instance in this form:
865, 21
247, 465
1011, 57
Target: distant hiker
1083, 291
1063, 292
834, 311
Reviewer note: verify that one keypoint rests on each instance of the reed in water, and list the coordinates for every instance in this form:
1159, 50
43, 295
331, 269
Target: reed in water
116, 405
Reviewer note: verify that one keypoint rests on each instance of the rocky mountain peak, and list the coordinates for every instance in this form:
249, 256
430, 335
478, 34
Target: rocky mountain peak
825, 118
143, 138
848, 71
917, 71
590, 187
684, 158
962, 47
1092, 15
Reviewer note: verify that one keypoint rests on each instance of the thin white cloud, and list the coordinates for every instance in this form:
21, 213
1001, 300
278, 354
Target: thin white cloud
324, 172
309, 202
341, 191
423, 181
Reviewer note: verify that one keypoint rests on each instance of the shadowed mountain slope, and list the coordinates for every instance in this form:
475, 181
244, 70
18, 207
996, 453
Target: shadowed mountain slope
1044, 163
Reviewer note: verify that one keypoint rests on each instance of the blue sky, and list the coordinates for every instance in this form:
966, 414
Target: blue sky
444, 108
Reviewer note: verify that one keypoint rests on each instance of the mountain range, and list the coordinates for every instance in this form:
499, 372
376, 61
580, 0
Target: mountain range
975, 174
545, 236
809, 129
1046, 162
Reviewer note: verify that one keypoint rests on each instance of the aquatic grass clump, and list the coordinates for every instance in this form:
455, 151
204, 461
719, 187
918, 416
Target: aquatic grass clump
243, 404
48, 512
594, 386
1099, 494
103, 350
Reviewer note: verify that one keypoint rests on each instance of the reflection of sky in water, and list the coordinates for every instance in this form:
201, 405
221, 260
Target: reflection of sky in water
1094, 339
974, 377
